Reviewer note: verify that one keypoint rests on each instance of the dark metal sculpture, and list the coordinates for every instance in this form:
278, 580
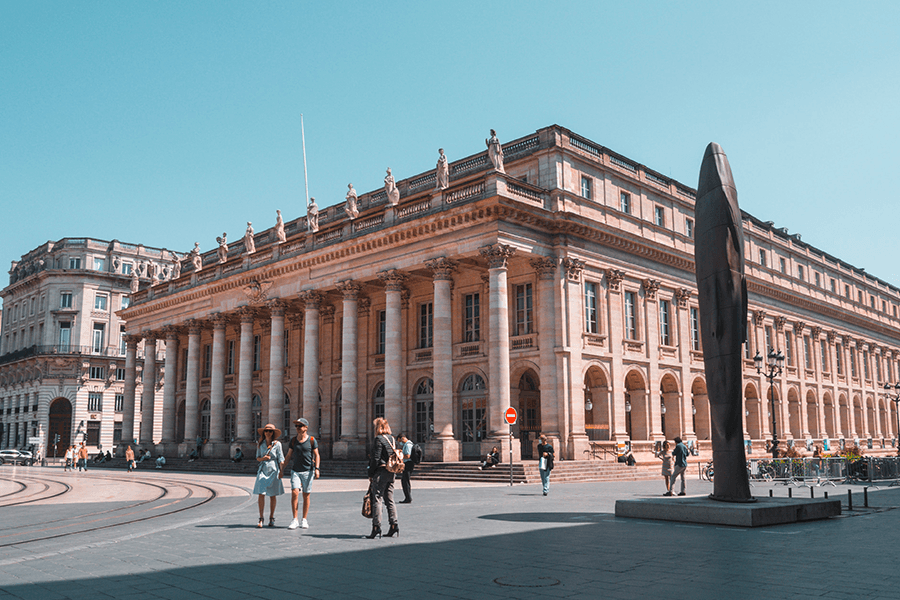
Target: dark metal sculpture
719, 259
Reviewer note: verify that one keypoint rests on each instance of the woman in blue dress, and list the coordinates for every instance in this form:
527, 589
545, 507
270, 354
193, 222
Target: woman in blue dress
270, 457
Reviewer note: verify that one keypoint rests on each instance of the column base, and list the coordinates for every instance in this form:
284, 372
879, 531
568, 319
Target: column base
348, 450
442, 450
504, 443
578, 446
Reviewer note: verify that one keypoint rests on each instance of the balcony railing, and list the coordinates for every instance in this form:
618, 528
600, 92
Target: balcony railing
45, 350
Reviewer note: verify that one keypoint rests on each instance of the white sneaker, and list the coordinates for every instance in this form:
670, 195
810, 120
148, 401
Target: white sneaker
304, 524
294, 524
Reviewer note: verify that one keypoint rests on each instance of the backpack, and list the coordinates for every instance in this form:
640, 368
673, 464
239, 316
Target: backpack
395, 458
417, 454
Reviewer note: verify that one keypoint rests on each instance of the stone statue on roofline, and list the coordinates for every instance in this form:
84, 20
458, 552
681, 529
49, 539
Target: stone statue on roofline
442, 175
279, 228
390, 188
352, 206
222, 250
312, 216
135, 282
249, 242
176, 266
495, 151
196, 259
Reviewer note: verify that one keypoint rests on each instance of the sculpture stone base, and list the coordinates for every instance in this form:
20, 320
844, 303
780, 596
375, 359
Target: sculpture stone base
349, 450
441, 450
701, 509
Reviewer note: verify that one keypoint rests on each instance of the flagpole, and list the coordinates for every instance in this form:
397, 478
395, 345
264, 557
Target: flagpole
305, 178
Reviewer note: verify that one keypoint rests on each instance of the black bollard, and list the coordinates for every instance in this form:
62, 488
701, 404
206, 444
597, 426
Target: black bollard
770, 493
865, 497
849, 500
790, 492
812, 493
826, 495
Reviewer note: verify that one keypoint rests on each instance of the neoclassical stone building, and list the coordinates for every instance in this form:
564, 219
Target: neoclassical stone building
556, 278
62, 355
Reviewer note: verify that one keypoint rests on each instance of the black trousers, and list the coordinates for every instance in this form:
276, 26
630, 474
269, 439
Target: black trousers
404, 480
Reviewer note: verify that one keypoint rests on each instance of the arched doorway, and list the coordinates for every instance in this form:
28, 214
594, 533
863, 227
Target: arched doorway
473, 415
859, 429
256, 414
812, 414
670, 417
796, 431
230, 421
828, 406
424, 401
60, 424
871, 425
637, 409
700, 410
844, 411
753, 413
529, 412
596, 392
204, 419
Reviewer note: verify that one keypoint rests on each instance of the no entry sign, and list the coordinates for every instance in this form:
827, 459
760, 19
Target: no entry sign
511, 415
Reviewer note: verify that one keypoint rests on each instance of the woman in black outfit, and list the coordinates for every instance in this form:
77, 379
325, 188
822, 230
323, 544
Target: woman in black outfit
382, 480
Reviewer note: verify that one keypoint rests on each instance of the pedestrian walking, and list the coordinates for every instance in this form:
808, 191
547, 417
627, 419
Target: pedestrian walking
70, 458
304, 450
199, 446
408, 466
545, 463
270, 457
381, 480
129, 459
82, 458
680, 454
666, 458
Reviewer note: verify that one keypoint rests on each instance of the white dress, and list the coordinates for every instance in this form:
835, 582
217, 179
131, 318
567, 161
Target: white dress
267, 480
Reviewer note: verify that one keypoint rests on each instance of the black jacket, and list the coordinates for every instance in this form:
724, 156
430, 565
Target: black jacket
381, 449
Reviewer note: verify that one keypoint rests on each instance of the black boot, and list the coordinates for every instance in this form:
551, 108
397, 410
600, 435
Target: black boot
376, 532
395, 528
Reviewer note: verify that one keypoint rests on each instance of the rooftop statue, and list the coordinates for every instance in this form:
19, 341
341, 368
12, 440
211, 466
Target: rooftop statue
135, 282
352, 206
249, 242
722, 294
495, 151
312, 216
279, 228
442, 175
176, 266
196, 259
222, 250
390, 188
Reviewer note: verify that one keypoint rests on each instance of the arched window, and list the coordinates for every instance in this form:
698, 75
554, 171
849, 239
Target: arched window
204, 419
230, 430
378, 400
256, 410
424, 410
473, 408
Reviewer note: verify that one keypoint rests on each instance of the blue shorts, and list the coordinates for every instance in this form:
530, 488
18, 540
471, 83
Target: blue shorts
302, 480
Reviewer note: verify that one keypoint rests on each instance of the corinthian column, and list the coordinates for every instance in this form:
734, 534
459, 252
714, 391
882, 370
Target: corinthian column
245, 376
148, 394
217, 382
192, 387
497, 256
131, 342
276, 362
393, 363
309, 406
168, 409
445, 447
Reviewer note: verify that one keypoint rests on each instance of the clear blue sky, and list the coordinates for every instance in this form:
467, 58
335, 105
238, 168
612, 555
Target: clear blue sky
167, 123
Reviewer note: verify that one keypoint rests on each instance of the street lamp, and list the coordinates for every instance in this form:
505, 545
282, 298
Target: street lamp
774, 367
895, 398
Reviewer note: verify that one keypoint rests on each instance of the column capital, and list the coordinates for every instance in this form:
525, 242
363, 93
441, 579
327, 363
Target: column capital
149, 337
392, 279
573, 267
404, 298
194, 326
799, 326
349, 289
832, 336
327, 312
545, 267
131, 340
860, 344
814, 332
497, 255
614, 278
312, 298
362, 308
651, 286
295, 320
246, 314
170, 332
779, 322
218, 320
442, 267
682, 295
759, 316
276, 306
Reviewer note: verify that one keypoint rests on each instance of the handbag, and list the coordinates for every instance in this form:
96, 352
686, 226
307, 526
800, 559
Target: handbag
395, 459
367, 504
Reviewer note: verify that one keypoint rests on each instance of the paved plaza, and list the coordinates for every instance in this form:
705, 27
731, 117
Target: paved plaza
157, 534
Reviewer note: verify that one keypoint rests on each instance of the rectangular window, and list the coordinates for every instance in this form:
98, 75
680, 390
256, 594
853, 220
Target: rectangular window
807, 354
590, 307
747, 349
826, 364
783, 264
524, 310
126, 268
883, 306
859, 297
426, 325
65, 300
762, 257
98, 373
800, 272
630, 316
74, 263
472, 318
878, 368
665, 338
695, 329
382, 329
184, 360
65, 336
769, 344
207, 360
120, 403
229, 365
853, 368
689, 228
872, 301
833, 286
625, 202
818, 280
257, 353
660, 215
98, 337
99, 264
287, 351
865, 359
100, 301
117, 432
846, 291
120, 374
839, 358
92, 438
126, 301
789, 348
585, 187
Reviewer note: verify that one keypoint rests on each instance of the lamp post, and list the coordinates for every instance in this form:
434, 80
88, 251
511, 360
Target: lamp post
895, 398
774, 367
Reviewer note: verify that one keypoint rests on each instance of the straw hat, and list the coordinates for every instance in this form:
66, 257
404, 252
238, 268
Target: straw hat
271, 427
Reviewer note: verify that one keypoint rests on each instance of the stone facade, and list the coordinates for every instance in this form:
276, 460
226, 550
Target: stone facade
62, 344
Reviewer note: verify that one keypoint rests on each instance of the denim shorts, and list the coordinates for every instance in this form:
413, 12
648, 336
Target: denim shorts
302, 480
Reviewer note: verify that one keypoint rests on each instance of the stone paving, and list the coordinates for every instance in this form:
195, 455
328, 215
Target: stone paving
457, 541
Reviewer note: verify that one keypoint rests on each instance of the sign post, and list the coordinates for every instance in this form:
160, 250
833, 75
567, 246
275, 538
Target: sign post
510, 416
